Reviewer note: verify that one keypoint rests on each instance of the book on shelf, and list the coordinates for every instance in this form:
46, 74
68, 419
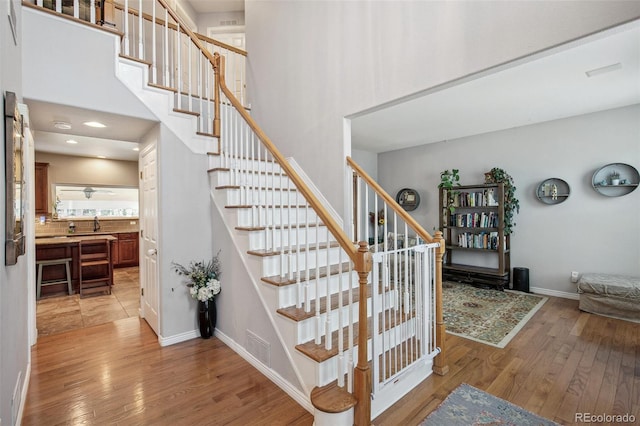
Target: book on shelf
484, 198
474, 220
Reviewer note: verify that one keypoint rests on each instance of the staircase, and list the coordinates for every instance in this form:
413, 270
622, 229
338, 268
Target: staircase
356, 322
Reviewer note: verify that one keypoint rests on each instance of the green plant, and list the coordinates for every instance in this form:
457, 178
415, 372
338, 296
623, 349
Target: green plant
448, 180
511, 203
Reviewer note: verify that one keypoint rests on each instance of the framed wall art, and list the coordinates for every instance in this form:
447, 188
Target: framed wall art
14, 178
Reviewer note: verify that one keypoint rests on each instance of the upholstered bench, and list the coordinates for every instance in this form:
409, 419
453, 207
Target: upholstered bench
612, 295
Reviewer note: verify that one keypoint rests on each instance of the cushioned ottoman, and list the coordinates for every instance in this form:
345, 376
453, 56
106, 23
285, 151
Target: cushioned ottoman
612, 295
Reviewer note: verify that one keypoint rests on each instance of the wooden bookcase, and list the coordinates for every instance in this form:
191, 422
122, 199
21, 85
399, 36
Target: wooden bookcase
472, 222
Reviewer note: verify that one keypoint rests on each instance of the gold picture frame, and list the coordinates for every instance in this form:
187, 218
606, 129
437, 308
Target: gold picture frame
15, 184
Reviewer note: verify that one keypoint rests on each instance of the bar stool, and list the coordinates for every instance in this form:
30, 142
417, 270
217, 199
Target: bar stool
42, 263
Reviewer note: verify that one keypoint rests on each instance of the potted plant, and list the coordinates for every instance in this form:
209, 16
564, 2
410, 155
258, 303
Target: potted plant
203, 281
615, 178
448, 180
511, 203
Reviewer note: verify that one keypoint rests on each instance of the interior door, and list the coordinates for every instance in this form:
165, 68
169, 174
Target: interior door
150, 297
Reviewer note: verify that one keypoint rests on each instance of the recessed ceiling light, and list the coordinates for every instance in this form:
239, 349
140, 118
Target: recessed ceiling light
62, 125
94, 124
603, 70
136, 149
71, 141
101, 156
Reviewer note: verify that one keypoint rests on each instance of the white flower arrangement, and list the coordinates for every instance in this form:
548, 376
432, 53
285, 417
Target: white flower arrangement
203, 278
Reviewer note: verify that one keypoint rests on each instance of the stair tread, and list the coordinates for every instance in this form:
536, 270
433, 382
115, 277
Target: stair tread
160, 86
264, 206
293, 249
332, 399
254, 187
279, 281
299, 314
186, 111
319, 353
262, 228
262, 160
227, 169
206, 134
133, 58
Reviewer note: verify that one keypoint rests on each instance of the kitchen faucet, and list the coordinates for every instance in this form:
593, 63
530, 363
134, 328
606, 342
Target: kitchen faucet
96, 224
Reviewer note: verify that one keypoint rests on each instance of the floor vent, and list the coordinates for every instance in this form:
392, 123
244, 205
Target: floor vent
259, 348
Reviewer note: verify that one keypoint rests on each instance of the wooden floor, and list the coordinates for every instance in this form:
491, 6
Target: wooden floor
562, 363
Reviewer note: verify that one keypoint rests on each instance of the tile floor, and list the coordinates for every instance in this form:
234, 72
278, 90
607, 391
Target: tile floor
64, 313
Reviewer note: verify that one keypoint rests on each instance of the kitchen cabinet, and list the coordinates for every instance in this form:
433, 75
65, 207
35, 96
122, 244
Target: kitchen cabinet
42, 188
126, 252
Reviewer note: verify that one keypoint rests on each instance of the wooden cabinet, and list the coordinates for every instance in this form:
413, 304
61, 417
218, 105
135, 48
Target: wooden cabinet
472, 222
126, 251
42, 188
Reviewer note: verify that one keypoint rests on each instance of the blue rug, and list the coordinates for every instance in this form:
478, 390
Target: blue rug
467, 406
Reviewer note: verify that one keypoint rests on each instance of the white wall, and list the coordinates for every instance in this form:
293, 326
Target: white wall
71, 64
312, 63
184, 227
587, 233
14, 344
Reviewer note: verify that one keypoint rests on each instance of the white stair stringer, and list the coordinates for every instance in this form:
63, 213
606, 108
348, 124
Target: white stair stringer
160, 102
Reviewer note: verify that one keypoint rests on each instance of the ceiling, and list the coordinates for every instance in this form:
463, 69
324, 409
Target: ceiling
116, 141
216, 6
542, 87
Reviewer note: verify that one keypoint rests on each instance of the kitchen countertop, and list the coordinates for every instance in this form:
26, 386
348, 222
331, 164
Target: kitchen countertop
75, 239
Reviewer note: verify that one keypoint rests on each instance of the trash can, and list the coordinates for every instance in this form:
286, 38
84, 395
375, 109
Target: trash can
521, 279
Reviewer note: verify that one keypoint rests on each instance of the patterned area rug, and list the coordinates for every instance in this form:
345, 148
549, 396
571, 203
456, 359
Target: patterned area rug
485, 315
467, 406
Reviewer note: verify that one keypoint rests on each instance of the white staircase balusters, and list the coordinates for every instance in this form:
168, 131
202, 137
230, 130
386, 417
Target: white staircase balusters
140, 32
154, 45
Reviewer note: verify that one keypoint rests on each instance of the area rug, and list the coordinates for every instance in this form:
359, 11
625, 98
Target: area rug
466, 406
486, 315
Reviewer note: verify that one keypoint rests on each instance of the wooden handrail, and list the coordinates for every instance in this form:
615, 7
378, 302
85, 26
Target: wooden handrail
391, 202
174, 27
333, 227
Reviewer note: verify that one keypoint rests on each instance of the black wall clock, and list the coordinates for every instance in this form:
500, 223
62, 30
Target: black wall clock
408, 198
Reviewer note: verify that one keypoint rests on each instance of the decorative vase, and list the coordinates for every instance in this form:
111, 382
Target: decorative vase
207, 318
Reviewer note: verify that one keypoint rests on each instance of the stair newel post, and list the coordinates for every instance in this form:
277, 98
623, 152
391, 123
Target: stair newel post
362, 374
440, 366
219, 73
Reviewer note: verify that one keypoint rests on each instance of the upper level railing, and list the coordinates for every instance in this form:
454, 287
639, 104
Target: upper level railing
153, 34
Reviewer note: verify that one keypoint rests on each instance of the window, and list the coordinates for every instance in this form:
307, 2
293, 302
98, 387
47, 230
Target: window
78, 201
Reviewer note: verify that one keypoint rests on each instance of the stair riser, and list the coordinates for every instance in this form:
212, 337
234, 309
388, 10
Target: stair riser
288, 295
227, 178
264, 239
272, 265
307, 327
274, 216
219, 161
261, 197
306, 330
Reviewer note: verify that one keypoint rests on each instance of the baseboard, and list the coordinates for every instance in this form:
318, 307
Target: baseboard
23, 394
556, 293
178, 338
293, 392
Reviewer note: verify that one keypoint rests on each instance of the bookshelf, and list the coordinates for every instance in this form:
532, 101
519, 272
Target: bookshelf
472, 222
